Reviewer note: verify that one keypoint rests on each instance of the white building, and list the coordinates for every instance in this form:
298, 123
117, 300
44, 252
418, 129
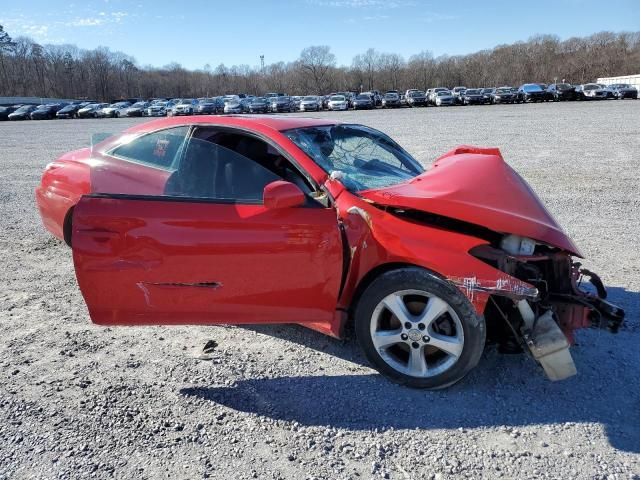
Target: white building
633, 80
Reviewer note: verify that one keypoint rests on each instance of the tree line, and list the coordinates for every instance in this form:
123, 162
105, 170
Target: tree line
28, 68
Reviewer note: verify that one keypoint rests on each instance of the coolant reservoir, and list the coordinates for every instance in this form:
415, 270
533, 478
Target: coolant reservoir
516, 245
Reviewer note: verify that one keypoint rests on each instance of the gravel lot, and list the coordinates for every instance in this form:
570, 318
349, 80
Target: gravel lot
77, 400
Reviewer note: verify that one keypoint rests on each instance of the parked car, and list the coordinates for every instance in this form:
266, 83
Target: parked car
487, 93
138, 109
259, 105
22, 113
310, 103
91, 110
47, 112
280, 104
624, 90
363, 102
206, 106
70, 110
532, 92
561, 92
232, 104
444, 98
503, 95
295, 103
158, 108
376, 97
115, 110
355, 224
431, 97
391, 100
186, 106
338, 102
457, 94
416, 98
591, 91
5, 111
472, 96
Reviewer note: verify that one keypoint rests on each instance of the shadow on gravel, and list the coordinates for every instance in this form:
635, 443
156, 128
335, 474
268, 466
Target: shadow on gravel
367, 402
505, 390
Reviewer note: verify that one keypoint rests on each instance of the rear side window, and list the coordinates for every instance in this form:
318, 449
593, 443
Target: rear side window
158, 149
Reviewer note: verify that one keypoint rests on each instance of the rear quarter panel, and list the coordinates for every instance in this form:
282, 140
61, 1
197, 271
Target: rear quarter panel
63, 182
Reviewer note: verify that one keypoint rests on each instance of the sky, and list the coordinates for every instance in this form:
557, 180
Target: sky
195, 33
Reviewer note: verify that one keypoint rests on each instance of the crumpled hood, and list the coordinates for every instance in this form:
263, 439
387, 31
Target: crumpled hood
477, 186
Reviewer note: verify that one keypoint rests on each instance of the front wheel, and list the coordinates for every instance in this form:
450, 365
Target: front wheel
419, 330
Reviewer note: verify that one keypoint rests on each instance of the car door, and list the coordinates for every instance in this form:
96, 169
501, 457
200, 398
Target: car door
207, 250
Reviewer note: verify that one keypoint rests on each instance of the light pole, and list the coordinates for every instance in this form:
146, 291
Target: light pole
262, 64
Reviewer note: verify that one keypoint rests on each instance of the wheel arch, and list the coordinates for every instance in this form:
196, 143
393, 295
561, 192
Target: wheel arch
368, 278
67, 226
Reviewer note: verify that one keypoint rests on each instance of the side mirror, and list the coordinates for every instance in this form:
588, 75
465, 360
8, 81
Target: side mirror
281, 194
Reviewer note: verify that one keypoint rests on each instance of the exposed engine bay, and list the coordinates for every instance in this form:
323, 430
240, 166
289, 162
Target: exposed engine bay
569, 297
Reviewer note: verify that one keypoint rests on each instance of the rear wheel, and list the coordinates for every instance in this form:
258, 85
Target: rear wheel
419, 330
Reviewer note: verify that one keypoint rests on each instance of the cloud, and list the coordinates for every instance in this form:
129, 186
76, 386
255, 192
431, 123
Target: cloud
86, 22
102, 18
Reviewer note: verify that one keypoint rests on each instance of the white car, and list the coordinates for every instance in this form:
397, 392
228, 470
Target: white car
338, 102
114, 110
186, 106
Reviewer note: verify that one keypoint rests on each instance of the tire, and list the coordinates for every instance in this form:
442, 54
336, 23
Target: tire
459, 331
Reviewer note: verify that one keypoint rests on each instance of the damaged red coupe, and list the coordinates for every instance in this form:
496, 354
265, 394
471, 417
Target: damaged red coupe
243, 220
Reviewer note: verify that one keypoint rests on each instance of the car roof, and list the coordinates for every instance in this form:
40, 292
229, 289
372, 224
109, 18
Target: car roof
274, 122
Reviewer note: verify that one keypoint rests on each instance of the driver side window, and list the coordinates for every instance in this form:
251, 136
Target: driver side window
208, 170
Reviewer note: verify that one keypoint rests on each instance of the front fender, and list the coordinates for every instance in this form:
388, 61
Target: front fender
377, 238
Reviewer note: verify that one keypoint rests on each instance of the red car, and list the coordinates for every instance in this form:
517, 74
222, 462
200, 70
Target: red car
246, 220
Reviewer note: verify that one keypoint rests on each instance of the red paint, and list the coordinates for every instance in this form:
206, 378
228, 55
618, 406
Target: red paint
478, 186
146, 260
281, 194
135, 260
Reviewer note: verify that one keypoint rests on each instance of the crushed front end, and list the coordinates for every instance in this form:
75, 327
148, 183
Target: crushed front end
569, 297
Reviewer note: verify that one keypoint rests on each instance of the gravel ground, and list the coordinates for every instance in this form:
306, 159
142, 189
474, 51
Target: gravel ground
77, 400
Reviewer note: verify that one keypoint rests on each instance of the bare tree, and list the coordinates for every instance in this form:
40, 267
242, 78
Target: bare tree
28, 68
315, 63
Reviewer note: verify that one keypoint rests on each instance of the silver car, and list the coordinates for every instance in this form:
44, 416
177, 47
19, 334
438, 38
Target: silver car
444, 98
310, 103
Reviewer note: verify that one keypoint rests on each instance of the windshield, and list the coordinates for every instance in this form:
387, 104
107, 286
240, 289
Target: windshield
591, 86
391, 95
563, 86
309, 99
24, 109
503, 90
337, 98
363, 97
472, 92
416, 94
363, 158
138, 105
531, 87
444, 93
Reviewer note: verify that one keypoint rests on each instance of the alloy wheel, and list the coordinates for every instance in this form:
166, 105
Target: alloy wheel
417, 333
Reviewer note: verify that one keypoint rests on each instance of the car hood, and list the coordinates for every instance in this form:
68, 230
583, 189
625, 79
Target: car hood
477, 186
